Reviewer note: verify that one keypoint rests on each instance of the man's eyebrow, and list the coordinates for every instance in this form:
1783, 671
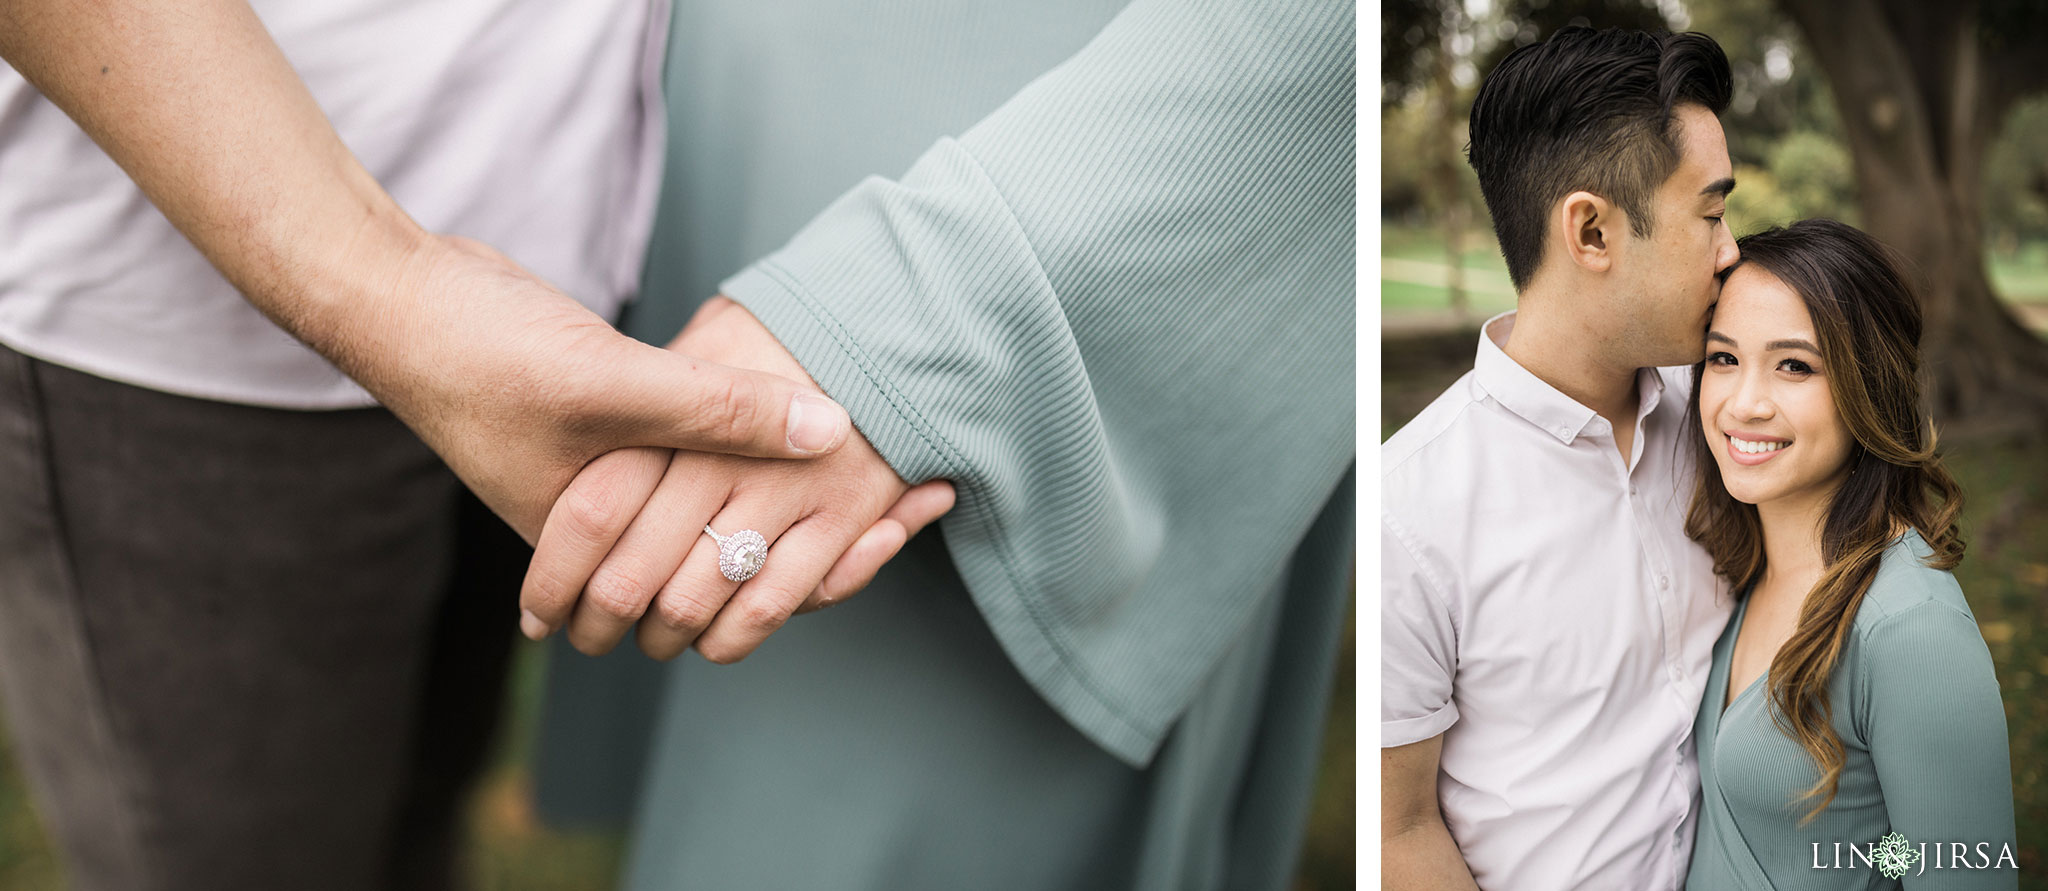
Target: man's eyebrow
1720, 187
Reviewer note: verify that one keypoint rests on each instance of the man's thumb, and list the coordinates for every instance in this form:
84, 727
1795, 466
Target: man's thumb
718, 408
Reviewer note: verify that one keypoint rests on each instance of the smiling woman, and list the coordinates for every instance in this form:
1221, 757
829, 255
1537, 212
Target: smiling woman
1763, 389
1851, 697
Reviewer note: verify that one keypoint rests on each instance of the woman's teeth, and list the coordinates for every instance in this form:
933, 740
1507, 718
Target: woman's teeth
1744, 445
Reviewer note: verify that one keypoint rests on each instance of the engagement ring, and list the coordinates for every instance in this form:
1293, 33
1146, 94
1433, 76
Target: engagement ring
740, 554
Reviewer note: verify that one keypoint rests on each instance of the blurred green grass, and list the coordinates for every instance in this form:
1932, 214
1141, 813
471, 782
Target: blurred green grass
509, 850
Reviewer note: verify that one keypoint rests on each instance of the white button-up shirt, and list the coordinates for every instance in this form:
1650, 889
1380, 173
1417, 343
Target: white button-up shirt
1542, 608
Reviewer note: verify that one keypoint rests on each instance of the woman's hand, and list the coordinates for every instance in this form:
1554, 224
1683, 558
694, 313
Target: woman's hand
625, 543
518, 387
512, 382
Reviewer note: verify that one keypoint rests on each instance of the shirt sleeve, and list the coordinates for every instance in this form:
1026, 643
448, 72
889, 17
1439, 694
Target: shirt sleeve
1118, 314
1937, 737
1418, 646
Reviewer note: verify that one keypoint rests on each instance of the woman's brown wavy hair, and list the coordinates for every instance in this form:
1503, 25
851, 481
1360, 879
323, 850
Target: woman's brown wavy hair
1867, 317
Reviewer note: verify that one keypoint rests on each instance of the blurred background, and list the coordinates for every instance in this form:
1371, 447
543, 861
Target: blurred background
510, 850
1924, 123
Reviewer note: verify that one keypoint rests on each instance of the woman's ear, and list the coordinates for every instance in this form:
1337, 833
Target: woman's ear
1587, 225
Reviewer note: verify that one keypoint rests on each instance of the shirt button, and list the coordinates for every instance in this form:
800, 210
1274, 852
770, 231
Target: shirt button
1631, 488
1663, 581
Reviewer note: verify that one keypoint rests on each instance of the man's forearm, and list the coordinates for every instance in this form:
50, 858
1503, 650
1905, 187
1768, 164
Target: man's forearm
511, 381
197, 103
1420, 855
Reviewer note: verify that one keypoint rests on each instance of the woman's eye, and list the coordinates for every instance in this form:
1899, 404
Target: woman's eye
1796, 367
1720, 359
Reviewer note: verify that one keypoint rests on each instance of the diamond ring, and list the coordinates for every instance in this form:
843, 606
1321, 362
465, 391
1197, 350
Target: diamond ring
740, 554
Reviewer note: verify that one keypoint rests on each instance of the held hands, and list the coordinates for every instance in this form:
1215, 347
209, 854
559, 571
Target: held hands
514, 384
518, 387
521, 390
625, 543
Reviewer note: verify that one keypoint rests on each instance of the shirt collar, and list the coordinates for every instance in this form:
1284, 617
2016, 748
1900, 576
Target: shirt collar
1536, 401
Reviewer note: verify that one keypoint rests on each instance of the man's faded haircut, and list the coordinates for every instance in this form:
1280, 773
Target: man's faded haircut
1587, 111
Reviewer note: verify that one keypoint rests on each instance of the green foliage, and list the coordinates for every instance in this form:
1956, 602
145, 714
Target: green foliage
1779, 88
26, 862
1758, 202
1782, 120
1410, 143
1532, 21
1806, 175
1408, 35
1816, 175
2016, 179
1404, 160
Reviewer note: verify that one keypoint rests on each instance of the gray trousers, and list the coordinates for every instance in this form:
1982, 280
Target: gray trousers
242, 647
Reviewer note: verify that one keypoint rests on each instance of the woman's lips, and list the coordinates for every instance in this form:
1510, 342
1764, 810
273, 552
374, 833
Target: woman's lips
1751, 459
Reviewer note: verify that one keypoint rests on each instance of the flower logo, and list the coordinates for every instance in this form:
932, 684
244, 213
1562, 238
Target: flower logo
1893, 855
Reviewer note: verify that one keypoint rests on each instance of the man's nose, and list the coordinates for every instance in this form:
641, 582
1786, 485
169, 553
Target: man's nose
1726, 253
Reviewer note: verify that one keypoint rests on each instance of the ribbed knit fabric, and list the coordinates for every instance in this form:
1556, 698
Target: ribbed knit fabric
1117, 313
1916, 704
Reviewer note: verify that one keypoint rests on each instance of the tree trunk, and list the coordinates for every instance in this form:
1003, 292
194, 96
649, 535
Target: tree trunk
1444, 169
1910, 83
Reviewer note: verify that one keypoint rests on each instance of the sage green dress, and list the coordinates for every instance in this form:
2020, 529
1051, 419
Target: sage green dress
1112, 299
1923, 731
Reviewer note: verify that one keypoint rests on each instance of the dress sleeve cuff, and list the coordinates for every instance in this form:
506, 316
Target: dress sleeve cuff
969, 390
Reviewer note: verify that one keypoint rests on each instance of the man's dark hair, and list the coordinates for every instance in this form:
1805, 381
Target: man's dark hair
1585, 110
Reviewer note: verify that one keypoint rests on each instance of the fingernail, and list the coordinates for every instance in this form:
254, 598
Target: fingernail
531, 625
816, 424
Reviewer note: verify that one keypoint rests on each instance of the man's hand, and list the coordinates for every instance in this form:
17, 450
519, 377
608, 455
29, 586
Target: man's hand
626, 542
513, 383
518, 387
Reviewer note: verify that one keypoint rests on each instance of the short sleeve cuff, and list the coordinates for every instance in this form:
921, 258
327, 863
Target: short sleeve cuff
1415, 730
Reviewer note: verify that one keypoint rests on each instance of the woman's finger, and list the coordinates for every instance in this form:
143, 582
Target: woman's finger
922, 505
698, 591
918, 508
585, 520
626, 580
858, 566
761, 605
